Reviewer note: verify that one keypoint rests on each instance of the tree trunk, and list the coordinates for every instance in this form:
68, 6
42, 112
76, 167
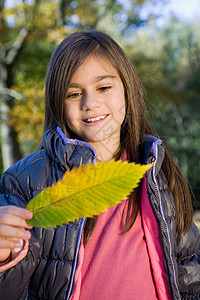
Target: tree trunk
9, 54
9, 145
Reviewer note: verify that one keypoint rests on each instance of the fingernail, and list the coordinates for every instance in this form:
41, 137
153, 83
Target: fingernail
29, 215
18, 249
29, 226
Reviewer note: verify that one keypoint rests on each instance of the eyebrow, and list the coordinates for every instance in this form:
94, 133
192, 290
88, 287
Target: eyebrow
99, 78
96, 79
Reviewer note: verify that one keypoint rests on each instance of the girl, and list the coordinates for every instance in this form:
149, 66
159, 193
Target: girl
144, 248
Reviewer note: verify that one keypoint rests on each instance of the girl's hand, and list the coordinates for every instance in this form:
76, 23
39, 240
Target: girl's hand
13, 228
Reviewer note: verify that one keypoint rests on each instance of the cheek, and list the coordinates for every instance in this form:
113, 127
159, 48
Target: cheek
69, 114
120, 108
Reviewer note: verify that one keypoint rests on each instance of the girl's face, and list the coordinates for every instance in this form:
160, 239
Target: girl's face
95, 104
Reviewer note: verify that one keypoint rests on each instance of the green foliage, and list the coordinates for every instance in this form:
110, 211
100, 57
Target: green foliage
167, 60
85, 191
48, 23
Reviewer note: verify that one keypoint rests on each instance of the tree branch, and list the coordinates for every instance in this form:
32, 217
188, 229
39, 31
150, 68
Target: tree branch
1, 5
9, 93
16, 47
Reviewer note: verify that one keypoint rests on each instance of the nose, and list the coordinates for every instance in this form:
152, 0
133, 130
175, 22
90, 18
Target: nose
89, 101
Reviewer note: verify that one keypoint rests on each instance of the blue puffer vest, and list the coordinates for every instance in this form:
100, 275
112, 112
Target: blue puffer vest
48, 270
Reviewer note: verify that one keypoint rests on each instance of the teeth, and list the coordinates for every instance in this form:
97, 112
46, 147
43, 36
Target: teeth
95, 119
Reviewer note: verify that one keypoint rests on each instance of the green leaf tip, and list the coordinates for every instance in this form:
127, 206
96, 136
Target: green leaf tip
85, 192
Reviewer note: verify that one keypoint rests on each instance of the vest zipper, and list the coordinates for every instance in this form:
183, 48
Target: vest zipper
78, 259
154, 183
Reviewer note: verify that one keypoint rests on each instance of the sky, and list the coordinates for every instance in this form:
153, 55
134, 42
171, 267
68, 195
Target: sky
184, 9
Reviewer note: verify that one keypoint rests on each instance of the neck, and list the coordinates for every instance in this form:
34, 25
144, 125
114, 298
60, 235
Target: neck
105, 151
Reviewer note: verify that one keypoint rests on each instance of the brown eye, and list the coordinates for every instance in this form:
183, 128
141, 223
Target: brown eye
74, 95
104, 88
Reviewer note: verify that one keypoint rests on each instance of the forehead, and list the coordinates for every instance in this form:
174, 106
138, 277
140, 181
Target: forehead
95, 65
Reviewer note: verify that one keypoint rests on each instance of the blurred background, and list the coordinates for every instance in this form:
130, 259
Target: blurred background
161, 37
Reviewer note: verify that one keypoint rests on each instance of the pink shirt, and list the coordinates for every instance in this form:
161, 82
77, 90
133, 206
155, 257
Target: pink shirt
116, 266
153, 245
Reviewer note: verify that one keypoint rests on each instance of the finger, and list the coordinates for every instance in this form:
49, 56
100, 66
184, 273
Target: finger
13, 220
17, 211
15, 216
15, 233
9, 244
18, 249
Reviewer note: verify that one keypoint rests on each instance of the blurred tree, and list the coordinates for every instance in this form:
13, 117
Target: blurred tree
9, 53
29, 32
168, 61
11, 46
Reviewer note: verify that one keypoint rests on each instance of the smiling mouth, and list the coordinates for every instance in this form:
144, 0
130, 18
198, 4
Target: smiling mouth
91, 120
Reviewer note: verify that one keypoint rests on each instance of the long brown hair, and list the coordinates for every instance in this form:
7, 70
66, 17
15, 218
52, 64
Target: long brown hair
65, 61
